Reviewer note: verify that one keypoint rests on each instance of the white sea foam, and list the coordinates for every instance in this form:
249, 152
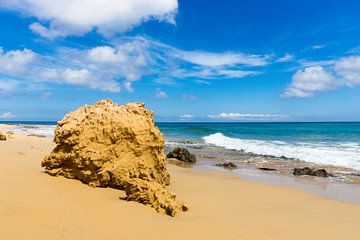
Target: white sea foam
338, 154
43, 130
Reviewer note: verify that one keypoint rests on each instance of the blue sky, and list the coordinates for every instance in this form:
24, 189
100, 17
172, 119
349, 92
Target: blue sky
187, 60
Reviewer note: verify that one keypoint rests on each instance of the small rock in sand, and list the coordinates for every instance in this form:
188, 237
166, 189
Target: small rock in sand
182, 154
2, 136
227, 165
311, 172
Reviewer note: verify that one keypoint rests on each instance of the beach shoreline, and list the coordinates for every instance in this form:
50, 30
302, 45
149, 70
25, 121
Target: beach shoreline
249, 168
240, 209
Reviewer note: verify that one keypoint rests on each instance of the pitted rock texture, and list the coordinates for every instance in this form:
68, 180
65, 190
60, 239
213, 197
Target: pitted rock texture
111, 145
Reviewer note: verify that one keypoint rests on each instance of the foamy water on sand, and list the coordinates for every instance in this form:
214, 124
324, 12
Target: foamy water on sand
36, 130
338, 154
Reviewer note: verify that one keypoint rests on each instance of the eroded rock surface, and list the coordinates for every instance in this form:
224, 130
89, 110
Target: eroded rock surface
111, 145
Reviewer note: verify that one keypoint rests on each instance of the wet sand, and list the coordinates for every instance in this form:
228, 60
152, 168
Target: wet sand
34, 205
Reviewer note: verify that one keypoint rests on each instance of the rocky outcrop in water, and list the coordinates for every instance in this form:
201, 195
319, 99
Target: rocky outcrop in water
227, 165
182, 154
311, 172
2, 136
111, 145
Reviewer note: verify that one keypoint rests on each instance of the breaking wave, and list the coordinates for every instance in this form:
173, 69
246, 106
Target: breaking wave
338, 154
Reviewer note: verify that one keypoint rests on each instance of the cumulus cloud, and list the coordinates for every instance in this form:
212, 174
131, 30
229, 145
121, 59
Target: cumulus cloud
105, 54
61, 18
344, 72
15, 61
249, 117
79, 77
348, 69
309, 81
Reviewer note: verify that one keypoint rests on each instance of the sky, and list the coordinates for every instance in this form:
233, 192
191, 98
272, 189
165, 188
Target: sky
229, 60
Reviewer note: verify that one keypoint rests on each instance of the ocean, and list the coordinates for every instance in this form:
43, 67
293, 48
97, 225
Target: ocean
335, 144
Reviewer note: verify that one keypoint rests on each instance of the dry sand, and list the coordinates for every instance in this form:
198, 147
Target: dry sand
34, 205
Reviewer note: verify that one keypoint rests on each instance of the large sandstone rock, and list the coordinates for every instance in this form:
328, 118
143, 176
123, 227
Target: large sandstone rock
109, 145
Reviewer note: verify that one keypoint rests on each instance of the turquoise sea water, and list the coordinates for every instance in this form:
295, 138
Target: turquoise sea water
324, 143
291, 132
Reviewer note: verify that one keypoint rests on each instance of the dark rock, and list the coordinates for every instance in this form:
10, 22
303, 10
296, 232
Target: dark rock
267, 169
311, 172
227, 165
182, 154
2, 136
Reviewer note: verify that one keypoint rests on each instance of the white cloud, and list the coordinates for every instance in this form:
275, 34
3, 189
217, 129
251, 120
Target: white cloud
210, 59
348, 69
61, 18
118, 65
308, 81
323, 63
286, 58
160, 94
249, 117
79, 77
316, 47
105, 54
7, 115
189, 97
202, 82
212, 73
344, 72
165, 81
8, 86
186, 116
15, 61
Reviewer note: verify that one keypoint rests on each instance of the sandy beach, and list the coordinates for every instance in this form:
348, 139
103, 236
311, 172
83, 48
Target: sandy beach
34, 205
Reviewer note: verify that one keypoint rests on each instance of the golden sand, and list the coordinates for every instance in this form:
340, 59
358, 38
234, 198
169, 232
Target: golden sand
222, 206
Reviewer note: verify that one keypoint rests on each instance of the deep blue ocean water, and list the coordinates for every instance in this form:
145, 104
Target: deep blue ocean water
324, 143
